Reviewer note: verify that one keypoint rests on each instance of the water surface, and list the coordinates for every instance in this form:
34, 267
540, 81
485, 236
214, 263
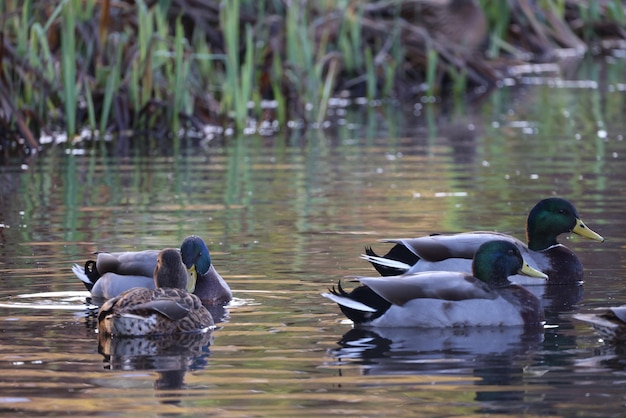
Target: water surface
285, 218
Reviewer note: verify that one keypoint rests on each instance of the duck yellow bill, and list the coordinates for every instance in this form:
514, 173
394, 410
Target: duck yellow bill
582, 230
191, 280
529, 271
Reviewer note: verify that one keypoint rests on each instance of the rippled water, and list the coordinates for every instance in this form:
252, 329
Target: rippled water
287, 217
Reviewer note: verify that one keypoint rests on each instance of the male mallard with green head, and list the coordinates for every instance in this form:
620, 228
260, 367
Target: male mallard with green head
549, 218
113, 273
446, 298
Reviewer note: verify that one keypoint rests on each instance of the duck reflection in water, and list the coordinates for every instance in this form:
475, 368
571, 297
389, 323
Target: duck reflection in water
609, 323
500, 357
170, 356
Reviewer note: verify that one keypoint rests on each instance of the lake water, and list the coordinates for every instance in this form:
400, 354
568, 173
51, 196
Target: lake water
285, 218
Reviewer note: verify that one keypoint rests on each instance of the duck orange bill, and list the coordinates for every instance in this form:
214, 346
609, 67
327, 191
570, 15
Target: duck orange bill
191, 279
529, 271
581, 229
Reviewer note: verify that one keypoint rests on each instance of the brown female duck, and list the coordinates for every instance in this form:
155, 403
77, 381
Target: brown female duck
167, 309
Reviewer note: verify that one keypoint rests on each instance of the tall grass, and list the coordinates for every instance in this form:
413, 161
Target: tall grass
615, 11
432, 61
498, 17
141, 85
112, 82
178, 78
68, 66
168, 65
370, 75
237, 91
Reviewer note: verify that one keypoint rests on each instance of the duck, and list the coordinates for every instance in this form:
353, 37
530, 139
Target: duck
609, 322
548, 219
166, 309
435, 299
110, 274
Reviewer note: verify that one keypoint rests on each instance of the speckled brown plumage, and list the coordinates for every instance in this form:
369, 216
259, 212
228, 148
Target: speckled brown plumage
167, 309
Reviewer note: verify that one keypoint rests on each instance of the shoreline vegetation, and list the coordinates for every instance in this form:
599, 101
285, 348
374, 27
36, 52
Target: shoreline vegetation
102, 69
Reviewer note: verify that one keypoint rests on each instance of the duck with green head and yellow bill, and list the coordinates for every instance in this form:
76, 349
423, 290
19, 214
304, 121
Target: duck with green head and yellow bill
547, 220
447, 298
113, 273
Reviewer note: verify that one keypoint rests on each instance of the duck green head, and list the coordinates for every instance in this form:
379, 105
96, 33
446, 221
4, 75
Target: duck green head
196, 258
550, 218
496, 260
170, 270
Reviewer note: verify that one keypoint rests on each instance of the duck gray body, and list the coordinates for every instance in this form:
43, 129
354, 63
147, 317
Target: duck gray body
113, 273
447, 298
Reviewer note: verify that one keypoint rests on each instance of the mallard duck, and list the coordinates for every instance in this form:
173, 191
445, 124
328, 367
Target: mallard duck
113, 273
546, 221
609, 322
447, 299
167, 309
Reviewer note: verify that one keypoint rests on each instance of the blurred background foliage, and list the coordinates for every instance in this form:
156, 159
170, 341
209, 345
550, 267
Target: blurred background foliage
97, 69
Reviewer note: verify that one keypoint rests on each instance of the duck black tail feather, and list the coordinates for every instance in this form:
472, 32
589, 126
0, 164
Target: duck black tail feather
366, 296
399, 253
92, 272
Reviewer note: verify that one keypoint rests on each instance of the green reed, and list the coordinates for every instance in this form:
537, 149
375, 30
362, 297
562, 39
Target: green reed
112, 84
498, 15
432, 60
141, 84
178, 79
21, 27
596, 11
300, 51
349, 39
615, 11
147, 70
91, 110
459, 80
370, 75
68, 66
237, 91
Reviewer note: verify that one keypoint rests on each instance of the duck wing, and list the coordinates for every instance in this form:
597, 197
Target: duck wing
444, 285
441, 247
124, 301
455, 252
168, 307
137, 263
